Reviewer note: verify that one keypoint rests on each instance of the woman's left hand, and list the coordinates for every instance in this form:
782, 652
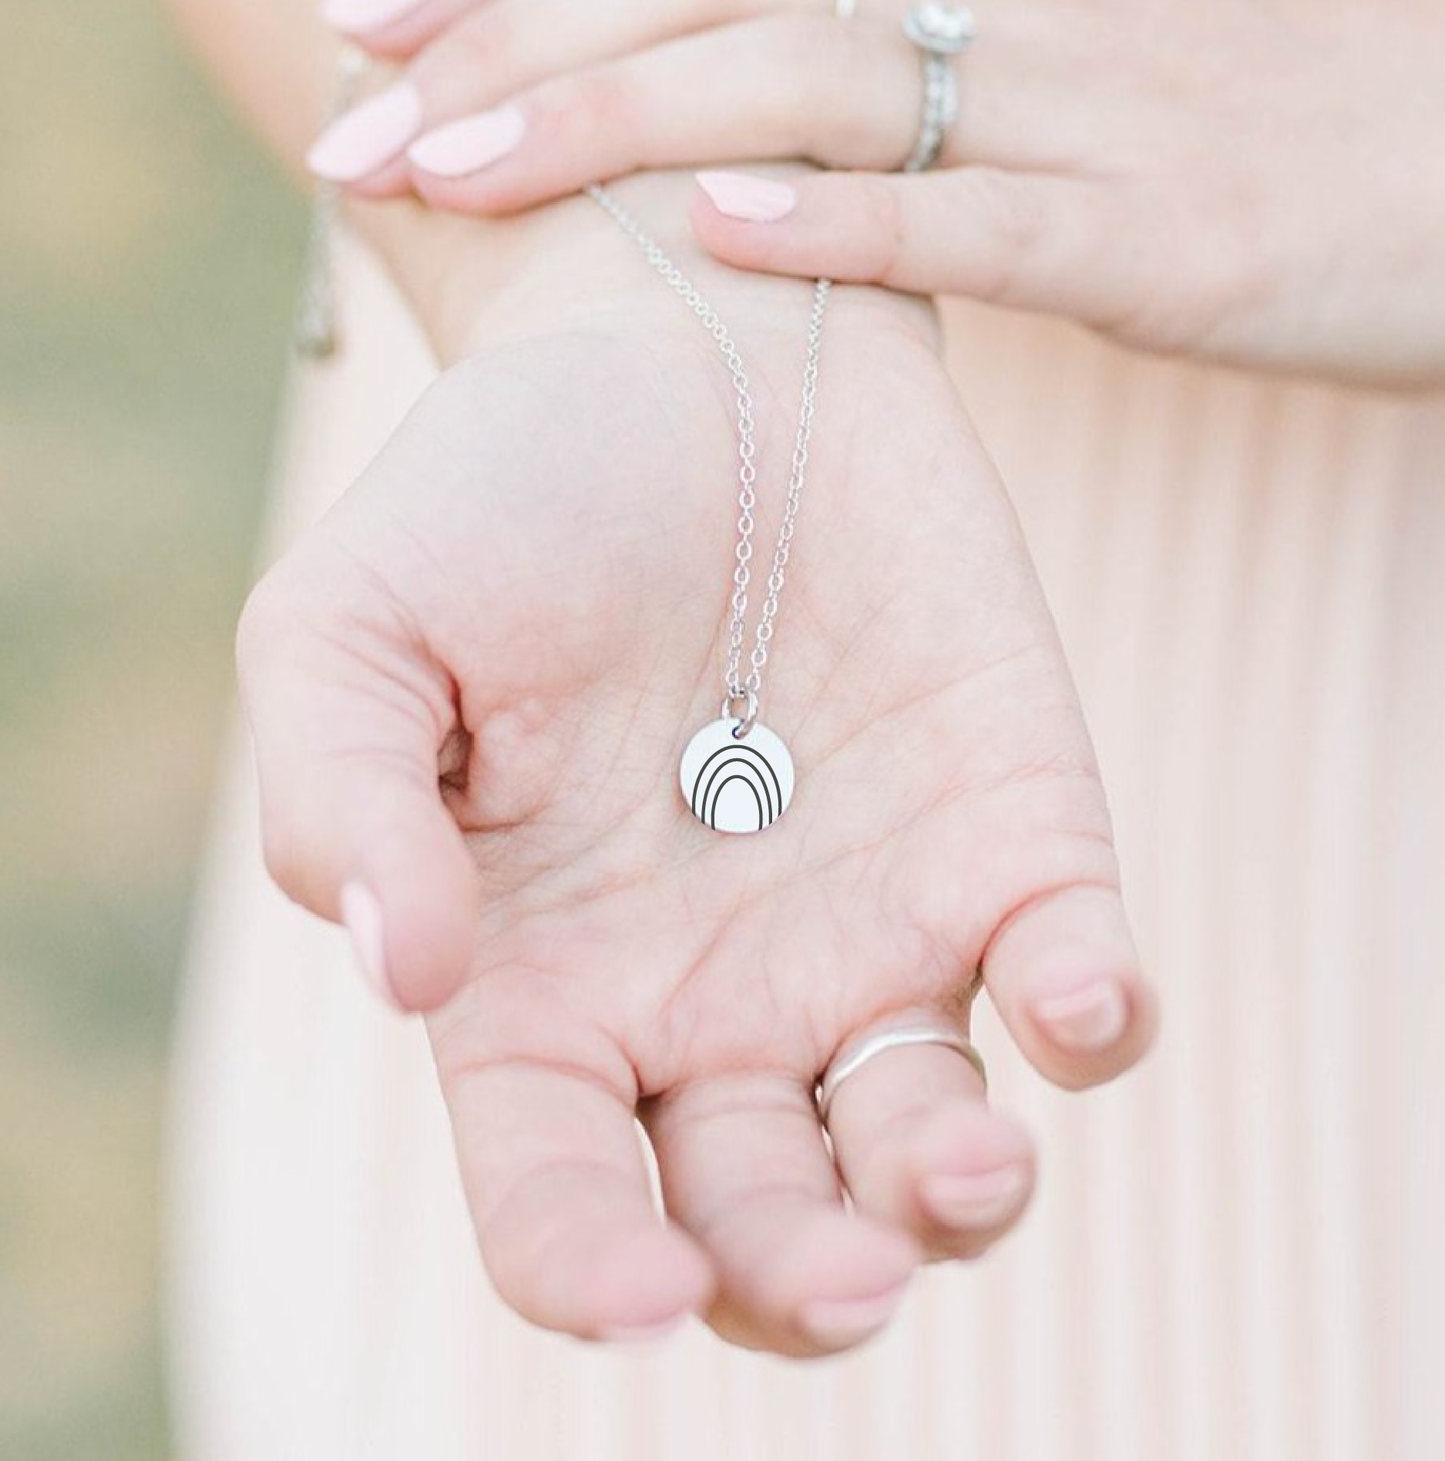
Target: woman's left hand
1250, 181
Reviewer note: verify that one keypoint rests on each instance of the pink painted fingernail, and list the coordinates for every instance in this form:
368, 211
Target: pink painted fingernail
644, 1333
1088, 1019
361, 914
369, 136
845, 1321
977, 1200
356, 17
754, 200
469, 145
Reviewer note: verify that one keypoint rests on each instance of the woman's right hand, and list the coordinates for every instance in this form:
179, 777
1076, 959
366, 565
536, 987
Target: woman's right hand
469, 685
1253, 181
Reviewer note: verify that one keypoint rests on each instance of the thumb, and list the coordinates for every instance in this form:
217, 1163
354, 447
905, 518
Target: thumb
348, 713
1035, 242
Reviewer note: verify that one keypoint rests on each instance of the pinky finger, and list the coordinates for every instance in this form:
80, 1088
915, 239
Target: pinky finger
1065, 977
1019, 239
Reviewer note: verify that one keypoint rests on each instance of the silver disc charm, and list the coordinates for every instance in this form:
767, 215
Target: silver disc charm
736, 783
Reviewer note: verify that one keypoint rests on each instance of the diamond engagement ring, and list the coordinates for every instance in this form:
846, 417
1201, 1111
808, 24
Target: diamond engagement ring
855, 1053
940, 31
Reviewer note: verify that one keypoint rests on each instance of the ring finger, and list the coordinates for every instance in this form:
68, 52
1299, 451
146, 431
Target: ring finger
918, 1147
490, 137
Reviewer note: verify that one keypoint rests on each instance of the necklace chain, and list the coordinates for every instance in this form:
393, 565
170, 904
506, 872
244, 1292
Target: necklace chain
749, 688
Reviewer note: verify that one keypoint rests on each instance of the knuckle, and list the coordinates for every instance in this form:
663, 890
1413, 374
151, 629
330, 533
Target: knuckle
832, 62
463, 53
1226, 264
796, 37
873, 127
1199, 265
595, 105
881, 214
1010, 217
484, 44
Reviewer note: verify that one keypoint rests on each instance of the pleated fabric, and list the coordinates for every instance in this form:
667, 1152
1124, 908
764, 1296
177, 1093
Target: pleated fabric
1236, 1252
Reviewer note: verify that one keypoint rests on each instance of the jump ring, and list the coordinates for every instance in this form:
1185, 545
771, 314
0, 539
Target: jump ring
749, 718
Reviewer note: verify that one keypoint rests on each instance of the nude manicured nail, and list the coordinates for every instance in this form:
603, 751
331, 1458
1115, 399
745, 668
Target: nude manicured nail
754, 200
1089, 1019
977, 1200
356, 17
469, 145
845, 1321
368, 137
361, 914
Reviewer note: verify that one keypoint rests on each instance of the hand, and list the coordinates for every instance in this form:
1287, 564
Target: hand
469, 688
1251, 181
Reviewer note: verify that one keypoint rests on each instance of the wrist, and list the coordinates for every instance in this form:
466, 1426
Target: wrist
477, 284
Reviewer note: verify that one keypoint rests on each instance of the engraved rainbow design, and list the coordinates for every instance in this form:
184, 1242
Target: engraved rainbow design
736, 784
743, 763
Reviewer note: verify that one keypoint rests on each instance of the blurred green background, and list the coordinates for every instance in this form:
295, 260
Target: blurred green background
148, 256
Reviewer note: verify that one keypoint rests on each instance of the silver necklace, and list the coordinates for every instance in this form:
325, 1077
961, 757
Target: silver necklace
736, 774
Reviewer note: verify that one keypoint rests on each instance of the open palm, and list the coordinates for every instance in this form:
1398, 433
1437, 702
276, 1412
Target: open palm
470, 686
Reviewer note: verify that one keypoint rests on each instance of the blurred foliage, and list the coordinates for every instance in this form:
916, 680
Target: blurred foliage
147, 261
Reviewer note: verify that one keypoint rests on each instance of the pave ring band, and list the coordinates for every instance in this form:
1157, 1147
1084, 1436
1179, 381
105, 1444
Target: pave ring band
856, 1052
940, 31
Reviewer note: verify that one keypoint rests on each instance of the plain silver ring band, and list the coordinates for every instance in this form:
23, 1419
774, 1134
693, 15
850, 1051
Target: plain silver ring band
845, 9
856, 1052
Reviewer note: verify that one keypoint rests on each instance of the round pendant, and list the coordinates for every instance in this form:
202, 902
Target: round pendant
736, 783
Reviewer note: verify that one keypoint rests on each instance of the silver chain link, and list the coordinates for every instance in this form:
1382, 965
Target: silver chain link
749, 689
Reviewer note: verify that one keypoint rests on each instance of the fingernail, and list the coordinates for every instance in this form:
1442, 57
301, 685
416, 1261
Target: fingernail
845, 1321
356, 17
361, 914
369, 136
644, 1333
469, 145
978, 1200
1091, 1018
754, 200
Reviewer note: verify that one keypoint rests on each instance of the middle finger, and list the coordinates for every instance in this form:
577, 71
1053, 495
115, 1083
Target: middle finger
746, 1172
918, 1146
476, 52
